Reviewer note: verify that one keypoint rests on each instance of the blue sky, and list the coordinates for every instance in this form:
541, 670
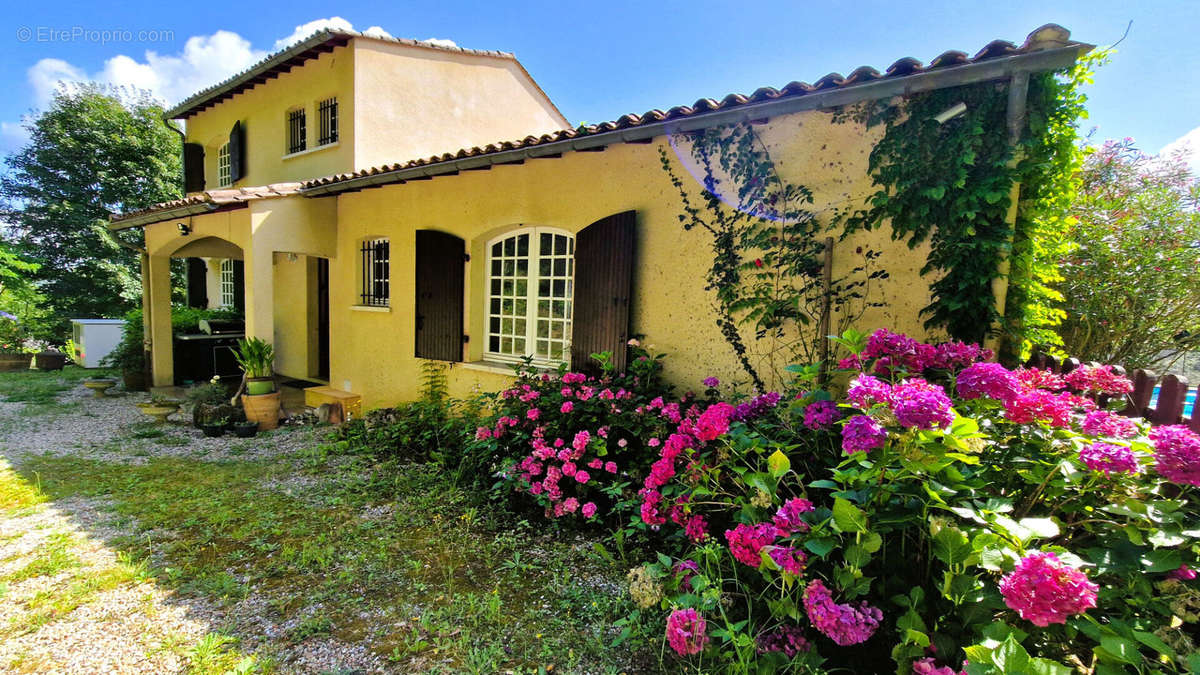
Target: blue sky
600, 60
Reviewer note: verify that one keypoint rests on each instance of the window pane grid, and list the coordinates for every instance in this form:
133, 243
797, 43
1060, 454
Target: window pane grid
297, 131
376, 272
227, 283
530, 287
328, 112
224, 174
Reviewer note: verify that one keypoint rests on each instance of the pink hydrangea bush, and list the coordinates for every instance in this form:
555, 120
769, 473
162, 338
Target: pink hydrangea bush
1043, 590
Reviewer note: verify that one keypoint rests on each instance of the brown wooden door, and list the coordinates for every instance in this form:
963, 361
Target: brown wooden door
604, 254
439, 302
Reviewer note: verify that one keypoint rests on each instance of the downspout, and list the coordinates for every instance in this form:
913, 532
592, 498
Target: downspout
182, 154
1015, 117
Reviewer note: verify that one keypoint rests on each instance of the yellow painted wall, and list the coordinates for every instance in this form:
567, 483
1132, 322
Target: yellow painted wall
292, 317
263, 110
372, 351
413, 102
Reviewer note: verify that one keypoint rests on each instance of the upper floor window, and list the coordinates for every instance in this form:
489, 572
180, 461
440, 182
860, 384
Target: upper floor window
297, 131
224, 174
376, 271
530, 292
227, 282
328, 113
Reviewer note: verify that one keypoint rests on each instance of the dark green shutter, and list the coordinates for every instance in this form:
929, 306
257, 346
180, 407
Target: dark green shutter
439, 302
604, 254
237, 152
193, 167
239, 286
197, 283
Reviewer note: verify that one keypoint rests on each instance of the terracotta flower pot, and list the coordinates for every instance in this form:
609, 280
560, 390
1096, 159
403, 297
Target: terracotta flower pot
263, 408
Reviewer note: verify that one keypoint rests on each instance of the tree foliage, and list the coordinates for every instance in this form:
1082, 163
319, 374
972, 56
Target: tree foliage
1131, 285
91, 153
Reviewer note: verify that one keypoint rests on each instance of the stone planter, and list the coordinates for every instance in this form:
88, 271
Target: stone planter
203, 413
15, 361
263, 409
99, 386
159, 412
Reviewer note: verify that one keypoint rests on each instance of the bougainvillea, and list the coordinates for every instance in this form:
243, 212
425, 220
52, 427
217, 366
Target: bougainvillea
1043, 590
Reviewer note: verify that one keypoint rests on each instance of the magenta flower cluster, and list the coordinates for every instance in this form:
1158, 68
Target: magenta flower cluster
1043, 590
920, 404
747, 541
1108, 458
788, 559
987, 380
756, 407
896, 352
821, 415
844, 624
1099, 380
789, 518
788, 639
687, 631
1105, 423
927, 666
1177, 454
862, 434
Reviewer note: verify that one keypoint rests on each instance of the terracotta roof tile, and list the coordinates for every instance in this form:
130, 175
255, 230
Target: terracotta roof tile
1047, 37
217, 198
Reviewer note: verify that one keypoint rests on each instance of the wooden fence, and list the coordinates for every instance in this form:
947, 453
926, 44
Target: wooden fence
1172, 394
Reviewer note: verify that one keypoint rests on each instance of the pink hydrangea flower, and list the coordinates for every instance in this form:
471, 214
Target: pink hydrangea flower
714, 421
696, 529
844, 624
570, 504
532, 413
927, 666
990, 380
1177, 454
588, 510
919, 404
483, 433
866, 390
788, 639
956, 355
582, 476
746, 541
756, 407
651, 515
1039, 405
862, 434
712, 382
1099, 380
1036, 378
1184, 573
820, 414
685, 570
567, 407
610, 467
1105, 423
789, 559
687, 631
1109, 458
788, 520
1043, 590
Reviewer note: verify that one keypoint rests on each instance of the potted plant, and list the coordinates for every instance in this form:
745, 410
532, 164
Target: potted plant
261, 401
50, 359
215, 428
130, 356
209, 401
245, 429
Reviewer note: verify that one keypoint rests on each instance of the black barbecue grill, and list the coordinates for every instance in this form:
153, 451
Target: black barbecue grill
200, 356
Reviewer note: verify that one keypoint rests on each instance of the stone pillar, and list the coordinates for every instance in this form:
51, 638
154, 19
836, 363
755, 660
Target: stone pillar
260, 291
162, 362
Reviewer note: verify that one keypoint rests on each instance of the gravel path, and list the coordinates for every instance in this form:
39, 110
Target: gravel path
92, 612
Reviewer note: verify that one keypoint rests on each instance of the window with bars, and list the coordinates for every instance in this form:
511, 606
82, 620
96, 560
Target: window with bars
227, 283
297, 131
530, 292
224, 174
375, 272
328, 112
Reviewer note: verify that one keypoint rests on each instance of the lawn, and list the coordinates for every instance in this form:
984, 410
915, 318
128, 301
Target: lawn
291, 559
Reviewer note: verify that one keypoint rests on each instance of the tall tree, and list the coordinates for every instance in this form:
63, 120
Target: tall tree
92, 152
1132, 283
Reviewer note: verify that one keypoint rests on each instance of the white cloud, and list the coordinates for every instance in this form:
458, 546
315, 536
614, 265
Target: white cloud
46, 75
13, 135
377, 31
441, 42
1189, 146
304, 30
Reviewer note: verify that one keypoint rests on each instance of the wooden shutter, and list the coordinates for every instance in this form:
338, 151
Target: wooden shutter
239, 285
237, 152
197, 283
193, 167
439, 306
603, 283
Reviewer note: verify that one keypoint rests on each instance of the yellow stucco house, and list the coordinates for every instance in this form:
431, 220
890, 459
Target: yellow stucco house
374, 202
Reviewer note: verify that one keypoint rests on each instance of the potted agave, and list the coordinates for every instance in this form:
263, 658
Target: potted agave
260, 400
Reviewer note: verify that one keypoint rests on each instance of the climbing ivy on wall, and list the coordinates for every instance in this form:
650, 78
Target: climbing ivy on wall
769, 250
950, 184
